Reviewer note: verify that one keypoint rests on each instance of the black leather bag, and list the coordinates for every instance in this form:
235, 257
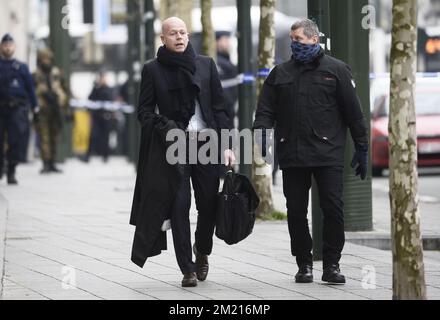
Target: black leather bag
236, 205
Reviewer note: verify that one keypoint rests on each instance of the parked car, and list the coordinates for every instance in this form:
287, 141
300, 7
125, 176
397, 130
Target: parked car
427, 103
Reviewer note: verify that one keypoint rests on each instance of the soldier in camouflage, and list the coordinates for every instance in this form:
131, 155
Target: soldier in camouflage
53, 101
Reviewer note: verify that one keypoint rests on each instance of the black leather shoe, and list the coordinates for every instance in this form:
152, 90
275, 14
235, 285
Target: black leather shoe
304, 274
46, 168
189, 280
332, 274
202, 264
12, 180
53, 168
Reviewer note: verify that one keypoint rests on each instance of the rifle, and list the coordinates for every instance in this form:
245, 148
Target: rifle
52, 103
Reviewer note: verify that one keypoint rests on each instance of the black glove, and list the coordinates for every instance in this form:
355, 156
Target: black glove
360, 159
35, 117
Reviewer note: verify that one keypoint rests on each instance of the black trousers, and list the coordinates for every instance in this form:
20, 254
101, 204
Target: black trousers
297, 183
24, 140
11, 124
99, 138
205, 181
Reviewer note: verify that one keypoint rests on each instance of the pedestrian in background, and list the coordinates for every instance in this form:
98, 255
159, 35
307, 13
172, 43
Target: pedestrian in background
53, 101
311, 100
227, 71
101, 118
123, 138
17, 93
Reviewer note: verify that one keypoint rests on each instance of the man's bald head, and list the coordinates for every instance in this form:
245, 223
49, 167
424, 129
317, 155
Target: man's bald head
174, 35
171, 23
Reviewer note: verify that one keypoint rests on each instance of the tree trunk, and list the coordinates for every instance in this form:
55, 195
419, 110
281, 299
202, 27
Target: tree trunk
408, 268
262, 173
208, 37
177, 8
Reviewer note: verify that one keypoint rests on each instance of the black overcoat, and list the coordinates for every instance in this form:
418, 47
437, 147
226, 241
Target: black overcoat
156, 186
155, 92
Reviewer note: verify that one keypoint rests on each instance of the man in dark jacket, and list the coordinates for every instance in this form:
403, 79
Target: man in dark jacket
311, 100
101, 118
185, 88
227, 71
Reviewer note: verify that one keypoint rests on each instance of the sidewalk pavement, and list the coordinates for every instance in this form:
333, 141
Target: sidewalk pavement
67, 237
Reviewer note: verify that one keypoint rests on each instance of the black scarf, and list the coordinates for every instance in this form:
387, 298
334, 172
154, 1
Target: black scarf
180, 71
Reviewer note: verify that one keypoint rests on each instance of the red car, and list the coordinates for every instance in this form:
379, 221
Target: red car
428, 123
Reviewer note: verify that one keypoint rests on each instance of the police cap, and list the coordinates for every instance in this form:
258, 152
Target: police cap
7, 38
219, 34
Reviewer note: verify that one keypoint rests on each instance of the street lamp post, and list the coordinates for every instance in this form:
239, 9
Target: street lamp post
346, 39
246, 89
319, 11
148, 20
350, 43
60, 44
134, 67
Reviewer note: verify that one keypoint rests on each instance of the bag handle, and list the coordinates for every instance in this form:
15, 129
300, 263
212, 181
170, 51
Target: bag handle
228, 185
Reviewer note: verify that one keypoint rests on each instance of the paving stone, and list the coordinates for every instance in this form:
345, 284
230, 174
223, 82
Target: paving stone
84, 226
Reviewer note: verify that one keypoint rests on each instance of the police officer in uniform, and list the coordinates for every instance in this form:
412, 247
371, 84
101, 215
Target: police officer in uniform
53, 100
16, 94
227, 71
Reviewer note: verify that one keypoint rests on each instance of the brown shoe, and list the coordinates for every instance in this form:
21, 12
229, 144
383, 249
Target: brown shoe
201, 264
189, 280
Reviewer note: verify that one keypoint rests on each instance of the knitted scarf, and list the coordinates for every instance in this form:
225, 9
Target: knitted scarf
179, 71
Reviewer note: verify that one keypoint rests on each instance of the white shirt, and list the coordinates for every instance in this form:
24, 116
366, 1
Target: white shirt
197, 123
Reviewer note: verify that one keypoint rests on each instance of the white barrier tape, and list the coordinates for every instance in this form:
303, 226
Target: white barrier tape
239, 79
248, 78
418, 75
233, 82
105, 105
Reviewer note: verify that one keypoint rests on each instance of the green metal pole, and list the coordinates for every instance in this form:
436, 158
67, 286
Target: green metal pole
318, 11
148, 19
135, 61
246, 90
60, 44
350, 43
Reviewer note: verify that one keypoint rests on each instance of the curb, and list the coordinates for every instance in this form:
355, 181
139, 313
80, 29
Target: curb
382, 241
3, 220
